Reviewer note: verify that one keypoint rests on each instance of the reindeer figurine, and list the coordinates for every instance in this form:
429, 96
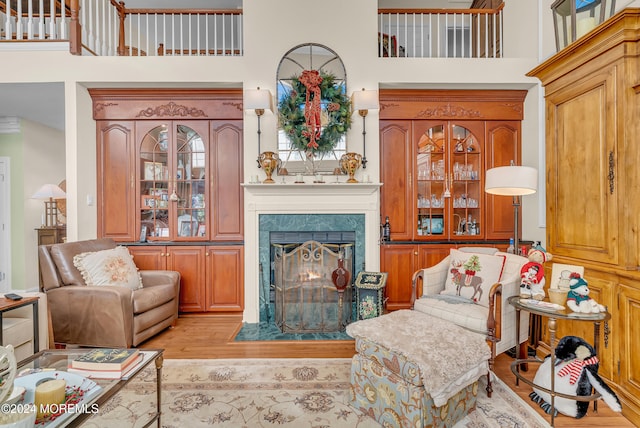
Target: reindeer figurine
461, 278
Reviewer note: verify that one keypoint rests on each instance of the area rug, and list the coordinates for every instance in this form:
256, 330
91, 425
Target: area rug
241, 393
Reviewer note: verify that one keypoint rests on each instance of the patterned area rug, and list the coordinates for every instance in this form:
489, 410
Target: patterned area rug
311, 393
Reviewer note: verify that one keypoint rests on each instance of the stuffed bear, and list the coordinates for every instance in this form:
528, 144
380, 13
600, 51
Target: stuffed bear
578, 299
576, 372
532, 275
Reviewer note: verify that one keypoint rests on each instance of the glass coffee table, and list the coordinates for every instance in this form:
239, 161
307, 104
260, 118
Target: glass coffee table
98, 391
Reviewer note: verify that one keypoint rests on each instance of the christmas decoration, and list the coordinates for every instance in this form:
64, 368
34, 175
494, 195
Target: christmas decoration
316, 114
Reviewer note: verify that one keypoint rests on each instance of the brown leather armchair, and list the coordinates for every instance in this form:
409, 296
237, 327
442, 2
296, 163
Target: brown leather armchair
105, 316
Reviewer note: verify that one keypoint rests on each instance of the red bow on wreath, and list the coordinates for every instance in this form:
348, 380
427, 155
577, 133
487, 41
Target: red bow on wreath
311, 79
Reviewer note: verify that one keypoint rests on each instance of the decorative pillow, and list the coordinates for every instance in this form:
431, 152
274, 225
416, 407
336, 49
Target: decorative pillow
109, 267
472, 275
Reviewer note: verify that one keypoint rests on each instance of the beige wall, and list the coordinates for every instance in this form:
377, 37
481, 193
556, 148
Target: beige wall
44, 162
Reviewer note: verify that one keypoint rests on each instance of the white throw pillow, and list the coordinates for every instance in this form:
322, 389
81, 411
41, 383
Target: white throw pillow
472, 275
109, 267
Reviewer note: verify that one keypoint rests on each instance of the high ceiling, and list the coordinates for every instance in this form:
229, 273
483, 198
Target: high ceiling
43, 102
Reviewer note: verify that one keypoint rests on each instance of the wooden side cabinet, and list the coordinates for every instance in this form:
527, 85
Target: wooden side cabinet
211, 277
51, 235
591, 98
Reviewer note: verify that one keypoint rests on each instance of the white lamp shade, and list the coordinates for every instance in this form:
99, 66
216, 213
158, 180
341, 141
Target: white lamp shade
257, 99
365, 100
49, 191
511, 180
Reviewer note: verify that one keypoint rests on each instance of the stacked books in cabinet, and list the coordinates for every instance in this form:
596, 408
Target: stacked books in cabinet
107, 363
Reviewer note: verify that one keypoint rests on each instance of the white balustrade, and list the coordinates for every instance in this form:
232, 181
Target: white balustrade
456, 33
459, 33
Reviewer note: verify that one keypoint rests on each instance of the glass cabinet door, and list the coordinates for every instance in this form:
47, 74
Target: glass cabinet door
190, 183
173, 182
155, 183
448, 196
465, 181
432, 184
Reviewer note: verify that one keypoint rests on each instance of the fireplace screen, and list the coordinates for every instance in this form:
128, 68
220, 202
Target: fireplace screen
306, 299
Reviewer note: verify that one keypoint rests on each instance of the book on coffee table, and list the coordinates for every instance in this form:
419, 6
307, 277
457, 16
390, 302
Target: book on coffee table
124, 373
105, 359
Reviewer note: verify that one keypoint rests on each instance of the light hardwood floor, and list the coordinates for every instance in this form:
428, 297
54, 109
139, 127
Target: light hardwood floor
212, 337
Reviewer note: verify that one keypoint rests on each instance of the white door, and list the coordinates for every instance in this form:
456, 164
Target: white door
5, 226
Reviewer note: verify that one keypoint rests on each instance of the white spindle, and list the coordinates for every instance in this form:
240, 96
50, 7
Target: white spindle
105, 28
190, 51
61, 24
52, 19
501, 36
206, 33
138, 45
41, 19
173, 33
493, 17
486, 36
146, 20
224, 35
7, 21
164, 33
181, 21
30, 20
215, 34
198, 18
233, 34
128, 47
155, 34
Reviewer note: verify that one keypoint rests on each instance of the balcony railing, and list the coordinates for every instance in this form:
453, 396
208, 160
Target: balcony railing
107, 28
440, 33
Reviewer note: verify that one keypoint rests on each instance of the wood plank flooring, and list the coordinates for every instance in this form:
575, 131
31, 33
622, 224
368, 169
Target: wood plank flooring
211, 336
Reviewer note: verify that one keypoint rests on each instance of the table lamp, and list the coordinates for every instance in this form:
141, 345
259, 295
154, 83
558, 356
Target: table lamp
50, 192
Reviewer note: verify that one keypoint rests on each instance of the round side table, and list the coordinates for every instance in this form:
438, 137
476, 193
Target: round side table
554, 316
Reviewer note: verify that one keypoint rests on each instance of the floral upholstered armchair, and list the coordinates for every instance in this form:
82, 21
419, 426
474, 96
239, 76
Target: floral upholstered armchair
470, 288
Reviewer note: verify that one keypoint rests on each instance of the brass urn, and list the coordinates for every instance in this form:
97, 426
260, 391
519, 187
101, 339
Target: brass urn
269, 161
350, 162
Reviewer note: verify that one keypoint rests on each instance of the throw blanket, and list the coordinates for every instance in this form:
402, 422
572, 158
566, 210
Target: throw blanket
449, 356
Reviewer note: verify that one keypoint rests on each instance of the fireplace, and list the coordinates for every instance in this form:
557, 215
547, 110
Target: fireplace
309, 209
305, 296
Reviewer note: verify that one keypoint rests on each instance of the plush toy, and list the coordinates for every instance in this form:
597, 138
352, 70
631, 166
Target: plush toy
532, 275
576, 372
578, 298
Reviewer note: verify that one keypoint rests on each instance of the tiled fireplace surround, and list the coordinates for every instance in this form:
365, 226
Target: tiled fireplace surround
305, 207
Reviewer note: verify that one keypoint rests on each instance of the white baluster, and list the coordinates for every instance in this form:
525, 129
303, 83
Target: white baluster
30, 20
52, 19
215, 34
41, 19
7, 22
105, 28
206, 32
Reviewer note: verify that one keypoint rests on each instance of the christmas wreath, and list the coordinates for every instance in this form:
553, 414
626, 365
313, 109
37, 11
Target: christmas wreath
316, 113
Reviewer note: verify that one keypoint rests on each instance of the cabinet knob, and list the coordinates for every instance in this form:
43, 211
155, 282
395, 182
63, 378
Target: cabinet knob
161, 254
206, 254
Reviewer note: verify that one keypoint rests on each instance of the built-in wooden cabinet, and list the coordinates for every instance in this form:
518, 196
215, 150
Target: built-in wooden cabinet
435, 147
169, 173
212, 277
592, 92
